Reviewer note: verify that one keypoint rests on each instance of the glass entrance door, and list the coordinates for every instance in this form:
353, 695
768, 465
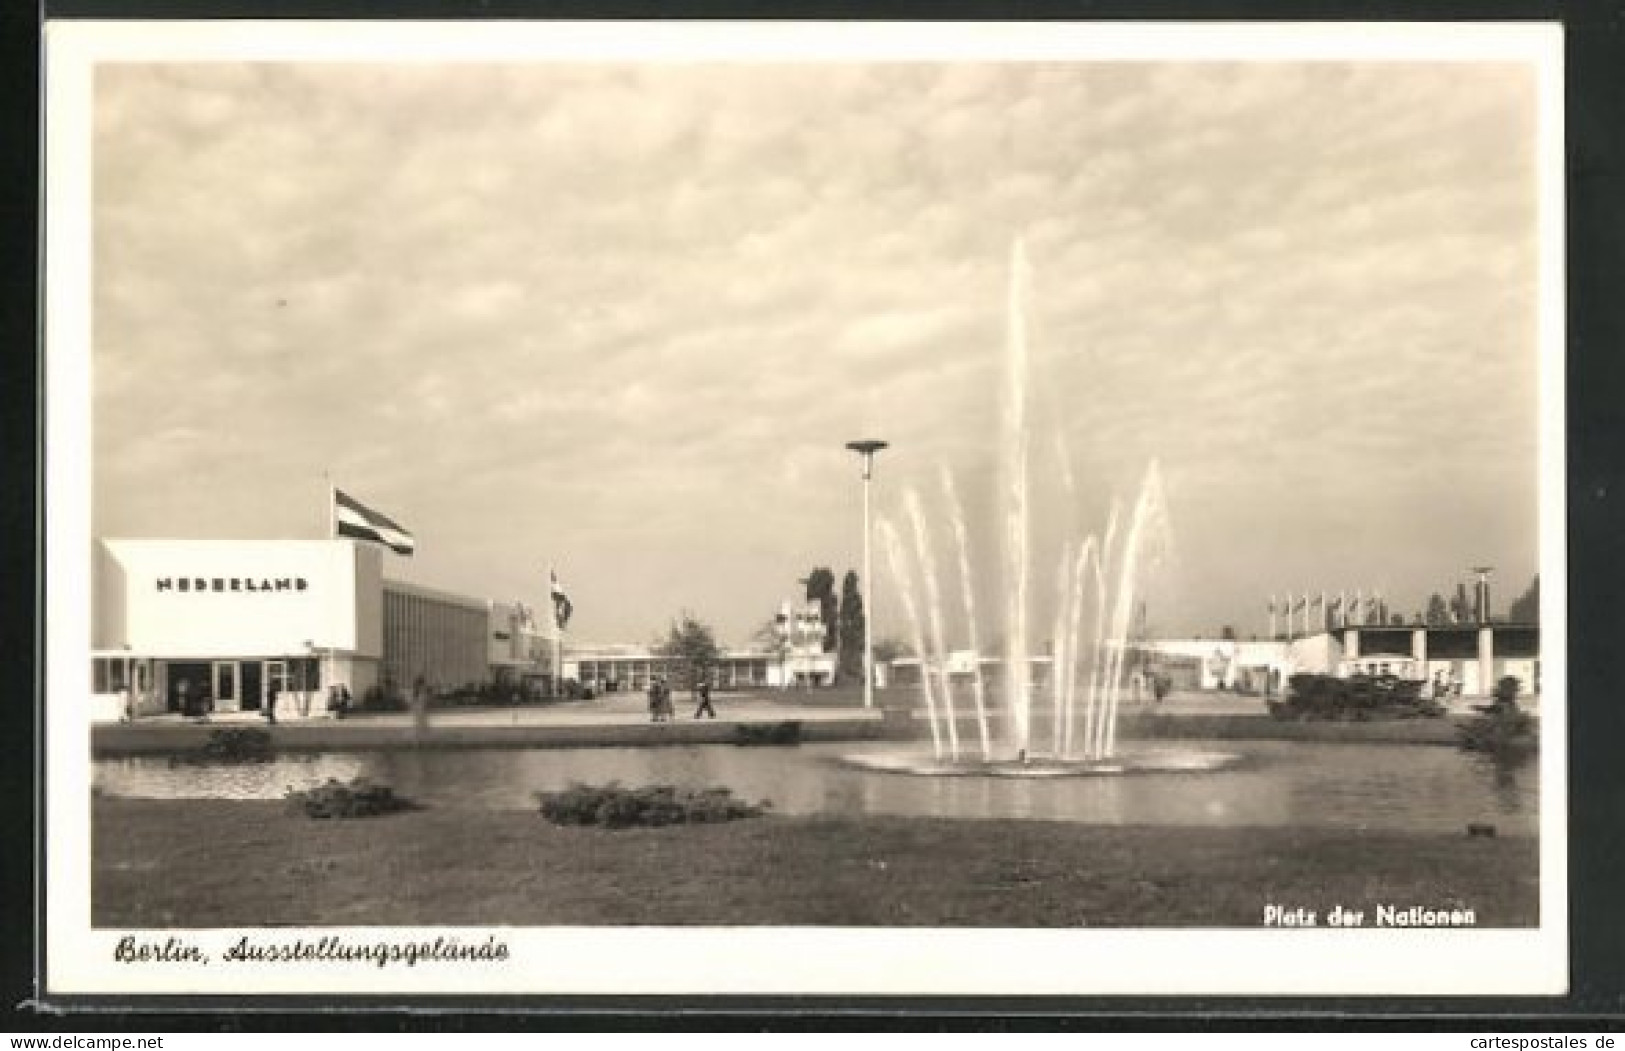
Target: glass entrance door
226, 698
251, 685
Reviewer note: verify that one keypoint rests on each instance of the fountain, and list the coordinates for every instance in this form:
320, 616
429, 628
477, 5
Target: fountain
1087, 672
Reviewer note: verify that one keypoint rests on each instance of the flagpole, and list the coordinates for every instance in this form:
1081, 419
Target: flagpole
558, 629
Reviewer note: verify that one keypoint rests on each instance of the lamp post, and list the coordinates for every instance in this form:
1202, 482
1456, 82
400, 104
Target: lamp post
867, 449
1481, 598
304, 677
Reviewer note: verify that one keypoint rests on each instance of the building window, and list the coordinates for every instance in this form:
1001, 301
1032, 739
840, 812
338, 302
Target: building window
107, 675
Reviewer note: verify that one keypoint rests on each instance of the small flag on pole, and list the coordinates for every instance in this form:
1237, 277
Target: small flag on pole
561, 601
353, 519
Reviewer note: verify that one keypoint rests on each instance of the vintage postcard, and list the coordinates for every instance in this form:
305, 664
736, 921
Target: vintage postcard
805, 508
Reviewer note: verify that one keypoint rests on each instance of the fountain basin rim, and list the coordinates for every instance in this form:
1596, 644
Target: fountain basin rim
1159, 761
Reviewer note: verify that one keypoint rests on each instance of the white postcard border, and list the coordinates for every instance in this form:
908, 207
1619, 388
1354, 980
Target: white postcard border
836, 961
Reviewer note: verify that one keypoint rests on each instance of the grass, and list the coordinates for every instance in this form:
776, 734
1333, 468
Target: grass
190, 863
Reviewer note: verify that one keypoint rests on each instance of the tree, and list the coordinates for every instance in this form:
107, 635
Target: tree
889, 649
774, 637
849, 652
1228, 633
1438, 613
821, 589
692, 642
1461, 611
1526, 608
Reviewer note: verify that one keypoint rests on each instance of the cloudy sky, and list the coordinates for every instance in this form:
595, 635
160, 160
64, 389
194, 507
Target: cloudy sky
621, 318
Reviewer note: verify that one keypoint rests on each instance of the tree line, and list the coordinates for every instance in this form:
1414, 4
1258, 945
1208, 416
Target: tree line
693, 642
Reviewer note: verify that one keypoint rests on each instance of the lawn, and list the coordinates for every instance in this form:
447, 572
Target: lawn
189, 863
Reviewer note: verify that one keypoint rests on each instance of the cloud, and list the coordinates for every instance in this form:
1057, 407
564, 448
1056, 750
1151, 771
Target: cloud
624, 317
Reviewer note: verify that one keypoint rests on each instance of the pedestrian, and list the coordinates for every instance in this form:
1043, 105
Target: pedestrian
270, 704
420, 706
704, 692
654, 700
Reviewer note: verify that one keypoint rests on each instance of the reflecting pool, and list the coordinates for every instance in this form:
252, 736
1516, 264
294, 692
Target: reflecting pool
1420, 788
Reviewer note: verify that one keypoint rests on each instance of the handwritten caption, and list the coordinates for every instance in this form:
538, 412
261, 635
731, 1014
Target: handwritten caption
383, 952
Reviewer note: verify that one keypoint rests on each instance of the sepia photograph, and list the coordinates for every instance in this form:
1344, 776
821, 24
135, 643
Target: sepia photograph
866, 509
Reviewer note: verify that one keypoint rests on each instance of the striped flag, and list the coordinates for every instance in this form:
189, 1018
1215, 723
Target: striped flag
354, 519
561, 601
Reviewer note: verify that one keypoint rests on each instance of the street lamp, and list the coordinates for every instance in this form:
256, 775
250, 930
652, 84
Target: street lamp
1482, 598
867, 450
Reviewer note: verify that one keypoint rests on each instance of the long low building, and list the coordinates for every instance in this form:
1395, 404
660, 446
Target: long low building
799, 660
245, 621
1469, 659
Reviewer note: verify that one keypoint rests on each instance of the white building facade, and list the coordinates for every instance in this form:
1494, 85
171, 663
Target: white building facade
243, 622
237, 621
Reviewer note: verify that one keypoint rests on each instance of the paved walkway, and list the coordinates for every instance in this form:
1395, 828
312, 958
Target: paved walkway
612, 710
623, 719
617, 720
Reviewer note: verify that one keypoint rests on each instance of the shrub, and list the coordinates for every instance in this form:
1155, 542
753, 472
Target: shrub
767, 733
356, 798
652, 806
1358, 697
234, 744
1509, 734
378, 699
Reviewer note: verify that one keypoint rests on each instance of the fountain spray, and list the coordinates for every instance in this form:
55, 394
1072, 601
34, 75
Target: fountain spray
1087, 554
933, 599
956, 513
1018, 674
905, 591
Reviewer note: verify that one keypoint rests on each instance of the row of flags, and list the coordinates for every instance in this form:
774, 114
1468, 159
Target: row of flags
1339, 610
1334, 605
353, 519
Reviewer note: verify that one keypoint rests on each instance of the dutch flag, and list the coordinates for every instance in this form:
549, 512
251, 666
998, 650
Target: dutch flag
561, 601
351, 518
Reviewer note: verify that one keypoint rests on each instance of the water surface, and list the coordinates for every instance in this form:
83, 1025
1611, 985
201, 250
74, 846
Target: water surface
1278, 783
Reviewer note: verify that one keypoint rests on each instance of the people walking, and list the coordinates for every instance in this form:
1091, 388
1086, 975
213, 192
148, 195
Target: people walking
703, 691
660, 706
420, 706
